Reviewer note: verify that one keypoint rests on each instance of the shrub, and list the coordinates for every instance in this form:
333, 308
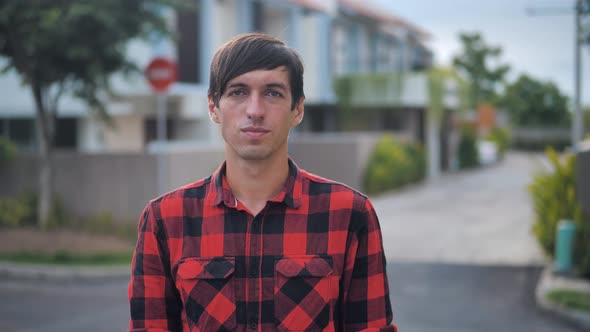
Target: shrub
7, 149
105, 224
393, 164
501, 137
101, 223
468, 153
22, 211
58, 215
17, 211
418, 159
554, 198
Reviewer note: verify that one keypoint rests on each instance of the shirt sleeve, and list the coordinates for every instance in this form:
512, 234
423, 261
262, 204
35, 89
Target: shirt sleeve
366, 305
153, 299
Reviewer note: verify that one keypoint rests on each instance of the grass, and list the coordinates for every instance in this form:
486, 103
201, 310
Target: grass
570, 298
69, 259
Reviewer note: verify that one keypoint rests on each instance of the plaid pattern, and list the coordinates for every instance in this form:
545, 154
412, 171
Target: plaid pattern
207, 292
303, 288
311, 260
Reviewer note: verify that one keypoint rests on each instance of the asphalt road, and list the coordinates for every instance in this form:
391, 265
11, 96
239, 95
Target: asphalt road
425, 298
468, 298
60, 306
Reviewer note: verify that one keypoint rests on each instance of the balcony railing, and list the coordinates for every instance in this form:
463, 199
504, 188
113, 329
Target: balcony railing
382, 89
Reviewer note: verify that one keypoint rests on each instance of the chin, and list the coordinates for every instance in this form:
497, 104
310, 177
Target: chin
254, 155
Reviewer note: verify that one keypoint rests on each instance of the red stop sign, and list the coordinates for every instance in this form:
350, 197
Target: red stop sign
160, 73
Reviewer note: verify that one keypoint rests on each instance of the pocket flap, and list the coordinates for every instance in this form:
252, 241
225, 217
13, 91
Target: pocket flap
206, 268
305, 266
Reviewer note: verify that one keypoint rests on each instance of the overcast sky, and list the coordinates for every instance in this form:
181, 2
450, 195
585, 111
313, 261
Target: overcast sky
542, 46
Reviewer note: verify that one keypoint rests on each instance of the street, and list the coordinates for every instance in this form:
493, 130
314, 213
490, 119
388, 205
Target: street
59, 306
461, 258
480, 216
468, 298
425, 297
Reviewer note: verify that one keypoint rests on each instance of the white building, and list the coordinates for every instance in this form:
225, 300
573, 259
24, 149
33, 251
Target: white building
334, 37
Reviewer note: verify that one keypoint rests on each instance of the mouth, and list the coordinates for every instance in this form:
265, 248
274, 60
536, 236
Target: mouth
254, 132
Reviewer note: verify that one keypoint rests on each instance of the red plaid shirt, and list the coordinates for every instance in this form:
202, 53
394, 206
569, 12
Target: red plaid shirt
311, 260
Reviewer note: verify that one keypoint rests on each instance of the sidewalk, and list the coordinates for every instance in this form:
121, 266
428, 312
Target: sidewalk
19, 271
548, 282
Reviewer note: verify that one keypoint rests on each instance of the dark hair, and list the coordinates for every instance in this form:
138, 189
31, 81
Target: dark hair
254, 51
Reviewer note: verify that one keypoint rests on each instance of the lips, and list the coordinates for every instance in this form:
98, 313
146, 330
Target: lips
254, 132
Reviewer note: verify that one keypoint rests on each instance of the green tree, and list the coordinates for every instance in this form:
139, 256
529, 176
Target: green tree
585, 12
71, 47
475, 65
468, 153
534, 103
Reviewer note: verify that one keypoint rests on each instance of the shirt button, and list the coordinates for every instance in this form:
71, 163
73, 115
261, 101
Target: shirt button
253, 273
253, 326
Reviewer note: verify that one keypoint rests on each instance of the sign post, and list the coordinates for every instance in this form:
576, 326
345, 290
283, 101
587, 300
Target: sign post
161, 73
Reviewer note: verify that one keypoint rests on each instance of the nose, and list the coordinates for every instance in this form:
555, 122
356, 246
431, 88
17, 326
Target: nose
255, 107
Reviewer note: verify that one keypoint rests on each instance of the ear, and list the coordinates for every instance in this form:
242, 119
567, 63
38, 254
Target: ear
298, 113
212, 110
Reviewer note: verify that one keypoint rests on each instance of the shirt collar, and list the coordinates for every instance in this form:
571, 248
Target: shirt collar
290, 195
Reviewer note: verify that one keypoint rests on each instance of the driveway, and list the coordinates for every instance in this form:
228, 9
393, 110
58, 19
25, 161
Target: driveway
482, 216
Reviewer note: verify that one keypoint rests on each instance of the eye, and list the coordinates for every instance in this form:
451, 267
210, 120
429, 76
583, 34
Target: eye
274, 93
237, 93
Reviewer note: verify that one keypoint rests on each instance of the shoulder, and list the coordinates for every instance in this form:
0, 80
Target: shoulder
175, 198
340, 193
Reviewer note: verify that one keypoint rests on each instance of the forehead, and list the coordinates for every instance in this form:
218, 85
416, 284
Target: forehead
279, 75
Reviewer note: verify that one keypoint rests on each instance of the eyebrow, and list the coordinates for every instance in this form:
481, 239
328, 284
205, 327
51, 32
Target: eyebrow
269, 85
277, 85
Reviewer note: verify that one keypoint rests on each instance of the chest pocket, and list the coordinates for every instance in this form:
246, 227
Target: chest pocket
207, 289
305, 292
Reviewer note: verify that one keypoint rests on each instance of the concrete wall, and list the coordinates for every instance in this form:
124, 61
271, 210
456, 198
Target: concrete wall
339, 157
127, 135
89, 184
540, 136
121, 184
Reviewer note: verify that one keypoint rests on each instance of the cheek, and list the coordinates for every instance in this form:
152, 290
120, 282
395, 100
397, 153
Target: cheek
229, 125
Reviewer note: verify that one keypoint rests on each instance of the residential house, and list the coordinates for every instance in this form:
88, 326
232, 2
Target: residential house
336, 38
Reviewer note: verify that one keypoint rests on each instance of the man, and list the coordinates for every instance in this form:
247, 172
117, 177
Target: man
261, 245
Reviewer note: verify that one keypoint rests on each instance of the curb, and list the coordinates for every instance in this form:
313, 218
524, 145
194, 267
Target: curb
549, 281
10, 270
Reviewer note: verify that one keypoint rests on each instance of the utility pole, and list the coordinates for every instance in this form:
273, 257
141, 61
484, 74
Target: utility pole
578, 121
578, 125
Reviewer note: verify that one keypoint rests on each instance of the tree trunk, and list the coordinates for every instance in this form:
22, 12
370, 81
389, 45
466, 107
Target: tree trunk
45, 183
45, 135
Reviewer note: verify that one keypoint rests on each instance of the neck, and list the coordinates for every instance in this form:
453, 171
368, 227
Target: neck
253, 183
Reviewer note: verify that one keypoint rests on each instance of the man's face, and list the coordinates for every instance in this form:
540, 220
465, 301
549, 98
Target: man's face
255, 114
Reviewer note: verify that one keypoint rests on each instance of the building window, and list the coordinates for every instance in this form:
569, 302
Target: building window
189, 57
66, 133
3, 128
22, 132
422, 58
151, 130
